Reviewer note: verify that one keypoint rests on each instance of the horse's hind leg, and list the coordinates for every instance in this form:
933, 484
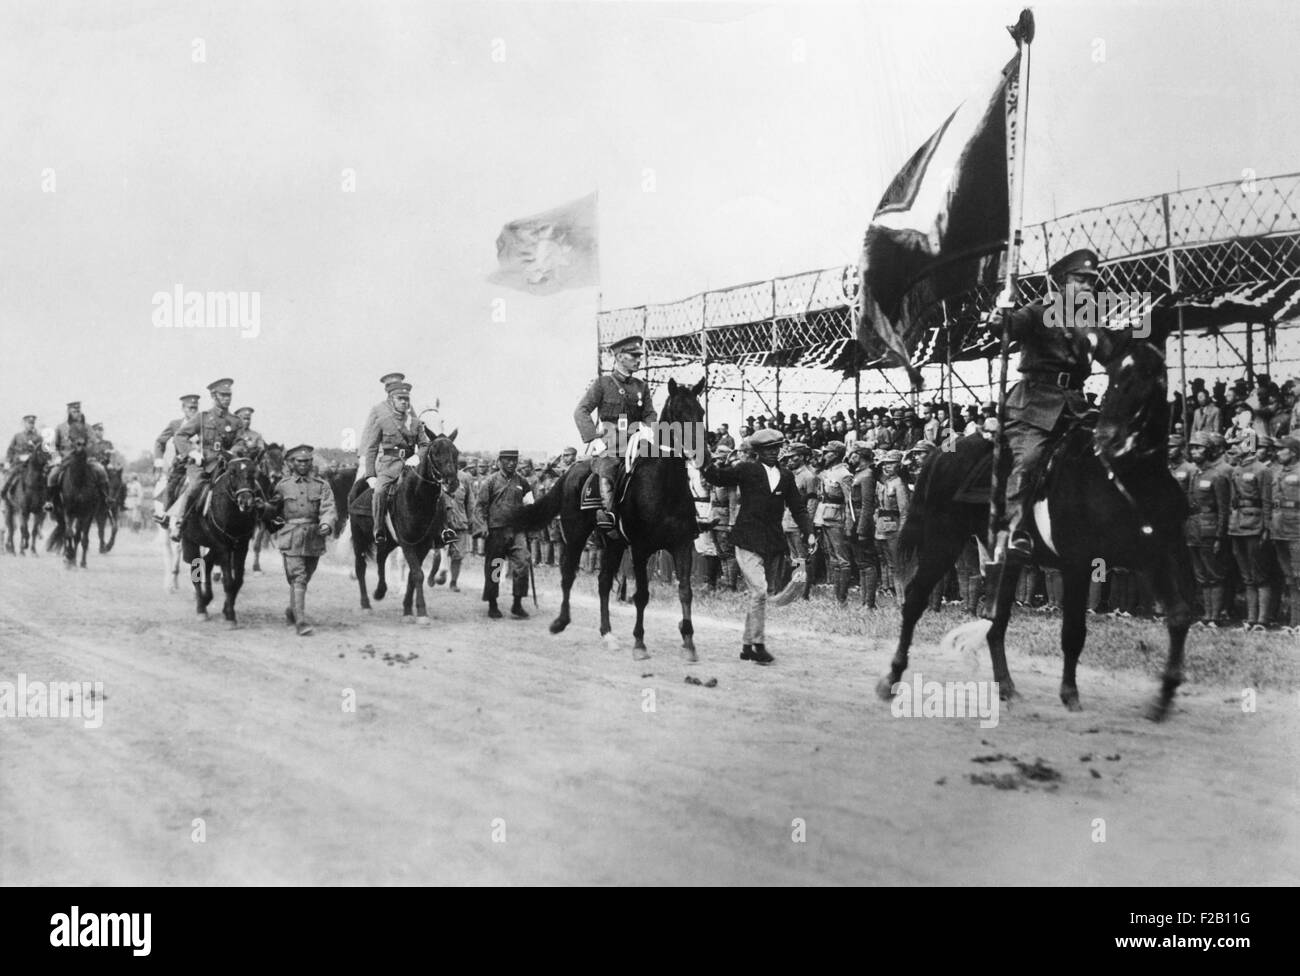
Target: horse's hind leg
682, 559
935, 555
1005, 596
1074, 631
612, 556
359, 546
1171, 581
642, 597
570, 554
381, 568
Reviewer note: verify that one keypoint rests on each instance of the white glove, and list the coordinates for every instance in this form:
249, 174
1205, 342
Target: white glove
23, 458
812, 543
196, 456
370, 482
528, 498
326, 528
159, 464
596, 446
413, 461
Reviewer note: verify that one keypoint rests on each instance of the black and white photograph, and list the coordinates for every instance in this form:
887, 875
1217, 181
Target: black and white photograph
641, 444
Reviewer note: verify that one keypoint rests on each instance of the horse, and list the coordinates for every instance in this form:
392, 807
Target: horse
272, 469
26, 499
106, 512
418, 513
341, 482
79, 499
657, 512
1106, 495
225, 525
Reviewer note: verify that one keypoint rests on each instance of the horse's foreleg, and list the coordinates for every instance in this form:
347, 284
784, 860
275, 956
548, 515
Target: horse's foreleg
642, 597
233, 580
1008, 577
935, 555
1170, 580
682, 560
359, 548
414, 586
1074, 631
381, 568
612, 556
258, 535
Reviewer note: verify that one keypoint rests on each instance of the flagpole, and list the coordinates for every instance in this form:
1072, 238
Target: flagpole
1023, 32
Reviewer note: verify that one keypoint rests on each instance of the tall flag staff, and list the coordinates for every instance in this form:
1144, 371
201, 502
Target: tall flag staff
1023, 34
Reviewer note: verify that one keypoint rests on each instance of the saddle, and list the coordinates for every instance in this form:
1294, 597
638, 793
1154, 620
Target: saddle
975, 487
589, 498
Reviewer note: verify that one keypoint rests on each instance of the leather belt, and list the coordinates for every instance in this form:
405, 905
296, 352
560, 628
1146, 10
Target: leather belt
1064, 380
397, 452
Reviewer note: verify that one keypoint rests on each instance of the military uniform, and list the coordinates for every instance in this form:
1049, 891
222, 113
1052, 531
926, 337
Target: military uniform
456, 520
247, 441
189, 403
1210, 497
500, 501
863, 535
24, 444
66, 436
835, 519
216, 430
622, 403
306, 505
389, 443
1249, 483
892, 502
1282, 517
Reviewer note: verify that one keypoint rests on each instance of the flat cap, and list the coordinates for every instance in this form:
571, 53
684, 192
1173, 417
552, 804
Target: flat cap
1082, 261
391, 378
626, 344
190, 398
299, 452
767, 437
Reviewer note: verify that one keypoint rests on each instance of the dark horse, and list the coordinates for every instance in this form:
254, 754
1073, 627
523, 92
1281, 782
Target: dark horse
272, 469
656, 512
418, 510
26, 499
224, 522
79, 499
1107, 495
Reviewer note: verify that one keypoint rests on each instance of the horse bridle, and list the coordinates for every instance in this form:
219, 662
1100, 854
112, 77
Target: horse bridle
1139, 455
255, 493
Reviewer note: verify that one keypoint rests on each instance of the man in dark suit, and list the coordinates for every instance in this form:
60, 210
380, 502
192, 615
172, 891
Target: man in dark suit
766, 491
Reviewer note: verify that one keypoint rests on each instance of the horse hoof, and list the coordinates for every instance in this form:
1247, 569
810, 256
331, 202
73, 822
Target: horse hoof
423, 621
257, 571
688, 655
1157, 710
558, 625
407, 618
885, 688
610, 642
640, 654
366, 607
232, 625
1071, 702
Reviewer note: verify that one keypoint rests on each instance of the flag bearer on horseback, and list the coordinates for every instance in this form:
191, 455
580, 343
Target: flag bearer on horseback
390, 442
305, 511
216, 429
67, 435
25, 443
1055, 359
622, 403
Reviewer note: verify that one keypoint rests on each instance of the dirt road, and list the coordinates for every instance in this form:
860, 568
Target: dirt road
493, 752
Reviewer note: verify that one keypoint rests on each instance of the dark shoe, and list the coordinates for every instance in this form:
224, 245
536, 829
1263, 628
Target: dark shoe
517, 610
493, 610
759, 655
747, 652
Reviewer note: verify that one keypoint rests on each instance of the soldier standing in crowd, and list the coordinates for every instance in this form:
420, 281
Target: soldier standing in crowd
805, 483
1249, 483
765, 490
216, 429
1210, 495
457, 505
25, 443
892, 502
835, 517
247, 441
1282, 515
863, 533
499, 501
304, 508
532, 480
477, 475
390, 442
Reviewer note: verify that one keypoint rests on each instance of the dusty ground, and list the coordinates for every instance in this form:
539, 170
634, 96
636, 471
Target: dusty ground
546, 742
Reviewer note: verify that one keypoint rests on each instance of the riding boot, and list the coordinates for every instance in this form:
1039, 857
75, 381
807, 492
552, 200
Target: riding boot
731, 571
1012, 562
605, 517
712, 569
493, 610
870, 581
300, 611
1252, 607
1216, 602
517, 608
974, 593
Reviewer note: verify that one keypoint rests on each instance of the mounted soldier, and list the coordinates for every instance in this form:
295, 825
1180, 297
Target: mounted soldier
189, 408
67, 436
622, 403
25, 443
248, 442
390, 442
216, 429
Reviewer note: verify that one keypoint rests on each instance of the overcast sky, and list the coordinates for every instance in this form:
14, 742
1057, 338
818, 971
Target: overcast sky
728, 142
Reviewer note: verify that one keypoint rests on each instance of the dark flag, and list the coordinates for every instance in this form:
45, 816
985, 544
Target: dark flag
550, 251
941, 227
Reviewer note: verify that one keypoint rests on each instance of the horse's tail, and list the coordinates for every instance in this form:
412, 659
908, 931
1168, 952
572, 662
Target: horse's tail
540, 514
